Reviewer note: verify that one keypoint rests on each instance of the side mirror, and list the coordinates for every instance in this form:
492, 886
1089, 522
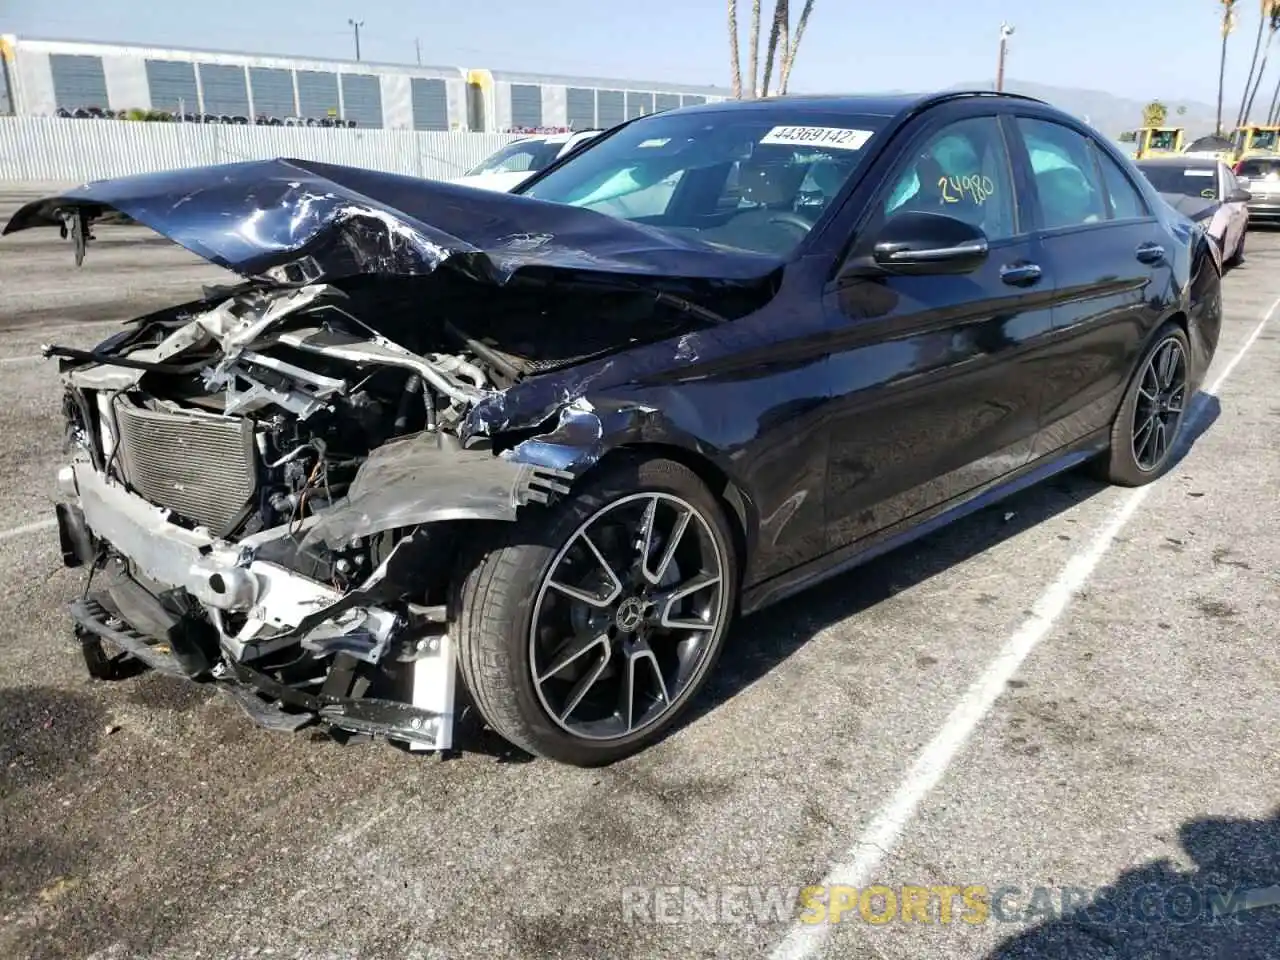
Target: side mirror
1239, 195
929, 243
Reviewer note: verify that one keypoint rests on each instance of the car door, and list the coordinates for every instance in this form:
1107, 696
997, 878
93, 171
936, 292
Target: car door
934, 392
1107, 252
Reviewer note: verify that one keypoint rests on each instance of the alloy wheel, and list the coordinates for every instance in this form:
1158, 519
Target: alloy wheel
1162, 393
627, 615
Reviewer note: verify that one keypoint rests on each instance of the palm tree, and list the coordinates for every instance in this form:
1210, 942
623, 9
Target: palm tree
735, 65
753, 54
776, 28
1253, 62
780, 51
1228, 24
1271, 12
790, 59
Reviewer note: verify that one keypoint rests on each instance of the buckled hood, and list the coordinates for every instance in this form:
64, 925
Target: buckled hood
298, 221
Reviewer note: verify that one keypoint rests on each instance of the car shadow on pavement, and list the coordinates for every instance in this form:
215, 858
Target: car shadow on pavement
760, 642
779, 631
1227, 904
764, 640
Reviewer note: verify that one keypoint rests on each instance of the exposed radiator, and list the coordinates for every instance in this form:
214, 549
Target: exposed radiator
200, 467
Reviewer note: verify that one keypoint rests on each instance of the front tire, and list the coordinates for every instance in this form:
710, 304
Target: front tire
585, 631
1145, 432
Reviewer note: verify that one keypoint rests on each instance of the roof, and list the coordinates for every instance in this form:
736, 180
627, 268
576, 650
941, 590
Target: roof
1178, 160
866, 104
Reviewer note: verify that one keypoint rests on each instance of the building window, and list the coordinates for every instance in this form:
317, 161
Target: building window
317, 94
78, 82
173, 86
580, 108
430, 104
665, 101
225, 90
362, 99
6, 105
272, 92
639, 104
526, 105
612, 107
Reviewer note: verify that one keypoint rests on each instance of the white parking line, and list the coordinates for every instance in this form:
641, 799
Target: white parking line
882, 835
27, 359
27, 528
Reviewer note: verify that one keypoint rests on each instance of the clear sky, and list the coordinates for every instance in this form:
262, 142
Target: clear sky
1139, 48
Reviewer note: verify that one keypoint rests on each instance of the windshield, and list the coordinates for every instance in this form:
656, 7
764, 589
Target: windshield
754, 179
523, 156
1263, 140
1191, 180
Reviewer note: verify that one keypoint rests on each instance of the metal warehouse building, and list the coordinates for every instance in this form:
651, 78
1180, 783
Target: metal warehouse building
58, 77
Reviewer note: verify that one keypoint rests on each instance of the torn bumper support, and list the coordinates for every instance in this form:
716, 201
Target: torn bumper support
279, 608
426, 724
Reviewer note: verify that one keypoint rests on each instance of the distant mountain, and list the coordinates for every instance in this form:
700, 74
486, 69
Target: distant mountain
1107, 112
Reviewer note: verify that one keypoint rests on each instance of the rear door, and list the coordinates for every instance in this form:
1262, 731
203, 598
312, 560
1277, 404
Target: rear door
935, 390
1108, 255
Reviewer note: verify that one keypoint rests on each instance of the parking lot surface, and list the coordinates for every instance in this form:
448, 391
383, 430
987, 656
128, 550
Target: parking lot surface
852, 735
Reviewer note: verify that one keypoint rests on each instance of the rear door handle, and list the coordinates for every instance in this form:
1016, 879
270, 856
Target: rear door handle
1020, 274
1150, 253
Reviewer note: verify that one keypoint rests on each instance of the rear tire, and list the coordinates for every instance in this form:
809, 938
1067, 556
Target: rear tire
541, 589
1148, 425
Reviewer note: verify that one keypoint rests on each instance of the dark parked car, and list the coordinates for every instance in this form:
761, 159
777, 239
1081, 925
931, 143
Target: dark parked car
563, 448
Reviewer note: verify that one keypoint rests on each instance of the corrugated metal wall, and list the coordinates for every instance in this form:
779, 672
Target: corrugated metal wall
49, 148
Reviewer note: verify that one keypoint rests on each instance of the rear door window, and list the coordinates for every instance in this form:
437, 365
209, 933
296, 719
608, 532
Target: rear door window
1126, 201
1065, 176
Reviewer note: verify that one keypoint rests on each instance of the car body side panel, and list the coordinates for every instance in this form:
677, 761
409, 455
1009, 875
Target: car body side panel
750, 397
937, 389
1109, 302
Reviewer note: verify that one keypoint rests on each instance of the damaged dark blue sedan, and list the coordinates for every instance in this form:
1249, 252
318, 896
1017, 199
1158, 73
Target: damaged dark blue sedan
535, 452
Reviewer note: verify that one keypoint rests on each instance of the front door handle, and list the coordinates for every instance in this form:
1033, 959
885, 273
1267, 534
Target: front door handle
1150, 253
1020, 274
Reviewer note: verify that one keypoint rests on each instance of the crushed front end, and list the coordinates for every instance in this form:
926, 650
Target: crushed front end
268, 494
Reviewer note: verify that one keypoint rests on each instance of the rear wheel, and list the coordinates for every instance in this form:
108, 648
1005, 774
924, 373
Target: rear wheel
587, 630
1146, 429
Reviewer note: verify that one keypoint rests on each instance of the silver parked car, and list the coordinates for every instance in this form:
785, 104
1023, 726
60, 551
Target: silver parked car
1261, 177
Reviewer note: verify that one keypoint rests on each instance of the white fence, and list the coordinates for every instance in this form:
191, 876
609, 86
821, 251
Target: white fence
52, 148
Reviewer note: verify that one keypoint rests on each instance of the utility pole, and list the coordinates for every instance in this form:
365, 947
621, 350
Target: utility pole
1006, 31
417, 46
356, 25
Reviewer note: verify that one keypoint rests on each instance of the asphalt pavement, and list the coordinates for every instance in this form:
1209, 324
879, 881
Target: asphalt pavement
1068, 700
